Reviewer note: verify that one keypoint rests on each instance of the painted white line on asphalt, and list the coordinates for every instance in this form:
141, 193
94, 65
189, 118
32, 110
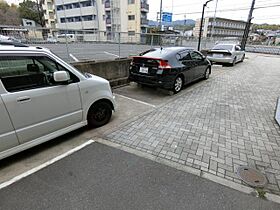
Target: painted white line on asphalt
73, 57
135, 100
44, 165
111, 54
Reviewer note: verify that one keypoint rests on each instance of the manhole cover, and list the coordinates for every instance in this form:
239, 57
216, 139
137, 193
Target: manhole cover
251, 176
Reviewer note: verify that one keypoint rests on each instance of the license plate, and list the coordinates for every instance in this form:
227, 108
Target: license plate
144, 70
218, 55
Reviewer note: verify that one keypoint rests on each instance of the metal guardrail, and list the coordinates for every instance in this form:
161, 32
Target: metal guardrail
100, 45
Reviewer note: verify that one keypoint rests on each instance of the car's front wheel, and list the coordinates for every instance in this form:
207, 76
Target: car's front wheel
207, 73
178, 84
99, 114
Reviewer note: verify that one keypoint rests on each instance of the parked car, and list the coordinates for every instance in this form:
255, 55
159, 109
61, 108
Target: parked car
169, 68
51, 39
8, 39
226, 54
43, 97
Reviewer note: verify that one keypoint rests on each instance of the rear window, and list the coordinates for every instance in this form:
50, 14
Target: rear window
157, 53
223, 47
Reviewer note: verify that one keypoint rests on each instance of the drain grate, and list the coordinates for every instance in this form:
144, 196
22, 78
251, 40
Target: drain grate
251, 176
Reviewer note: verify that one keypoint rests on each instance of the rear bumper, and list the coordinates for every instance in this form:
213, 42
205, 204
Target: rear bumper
161, 81
220, 60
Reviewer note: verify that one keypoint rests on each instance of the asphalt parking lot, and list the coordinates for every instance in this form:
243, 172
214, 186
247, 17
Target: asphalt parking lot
213, 126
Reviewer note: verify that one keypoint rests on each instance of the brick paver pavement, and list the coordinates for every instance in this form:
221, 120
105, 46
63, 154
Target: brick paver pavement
226, 122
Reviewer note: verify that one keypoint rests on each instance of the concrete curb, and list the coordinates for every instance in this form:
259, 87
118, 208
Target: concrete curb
277, 112
188, 169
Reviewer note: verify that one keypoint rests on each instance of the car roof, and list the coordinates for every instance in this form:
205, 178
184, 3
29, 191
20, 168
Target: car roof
9, 46
175, 48
231, 44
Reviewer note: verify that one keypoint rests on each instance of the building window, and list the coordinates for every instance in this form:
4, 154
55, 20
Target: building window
76, 5
49, 6
131, 33
70, 19
104, 17
131, 17
59, 7
86, 3
131, 1
78, 19
68, 6
87, 17
62, 20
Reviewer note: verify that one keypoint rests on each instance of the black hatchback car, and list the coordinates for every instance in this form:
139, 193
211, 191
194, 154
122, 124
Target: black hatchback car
169, 68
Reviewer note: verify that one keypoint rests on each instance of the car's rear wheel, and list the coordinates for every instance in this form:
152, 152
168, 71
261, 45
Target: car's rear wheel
243, 57
178, 84
99, 114
207, 73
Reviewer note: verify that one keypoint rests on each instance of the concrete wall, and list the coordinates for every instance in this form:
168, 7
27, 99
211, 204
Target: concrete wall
116, 71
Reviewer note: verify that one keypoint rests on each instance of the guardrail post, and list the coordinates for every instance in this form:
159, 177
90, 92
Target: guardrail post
119, 33
152, 41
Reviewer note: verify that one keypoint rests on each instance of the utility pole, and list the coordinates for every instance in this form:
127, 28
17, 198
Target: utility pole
201, 23
160, 16
247, 27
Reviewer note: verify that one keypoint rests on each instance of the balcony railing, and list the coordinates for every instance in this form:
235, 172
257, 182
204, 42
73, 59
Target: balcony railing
108, 21
107, 5
145, 7
144, 21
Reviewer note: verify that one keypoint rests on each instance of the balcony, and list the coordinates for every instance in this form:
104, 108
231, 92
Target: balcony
144, 7
144, 22
107, 6
108, 21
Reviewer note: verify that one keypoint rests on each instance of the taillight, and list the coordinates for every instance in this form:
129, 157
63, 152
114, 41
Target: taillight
164, 65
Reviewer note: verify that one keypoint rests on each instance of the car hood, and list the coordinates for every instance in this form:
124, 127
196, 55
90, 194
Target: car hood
96, 78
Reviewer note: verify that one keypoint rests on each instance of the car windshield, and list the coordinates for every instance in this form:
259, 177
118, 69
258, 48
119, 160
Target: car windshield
223, 47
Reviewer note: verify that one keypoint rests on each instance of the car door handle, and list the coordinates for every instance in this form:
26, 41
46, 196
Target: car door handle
23, 99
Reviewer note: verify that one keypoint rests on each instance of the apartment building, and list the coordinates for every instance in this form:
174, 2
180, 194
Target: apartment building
49, 13
107, 16
220, 27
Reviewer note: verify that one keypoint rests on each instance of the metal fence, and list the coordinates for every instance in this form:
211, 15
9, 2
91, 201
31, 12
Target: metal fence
74, 45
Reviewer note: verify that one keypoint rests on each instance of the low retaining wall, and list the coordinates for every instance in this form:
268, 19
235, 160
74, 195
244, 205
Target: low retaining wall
116, 71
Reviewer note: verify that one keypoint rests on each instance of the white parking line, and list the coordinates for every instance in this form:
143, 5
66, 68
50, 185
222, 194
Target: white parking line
44, 165
135, 100
111, 54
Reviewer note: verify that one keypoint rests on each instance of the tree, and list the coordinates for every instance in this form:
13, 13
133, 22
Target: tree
8, 14
31, 10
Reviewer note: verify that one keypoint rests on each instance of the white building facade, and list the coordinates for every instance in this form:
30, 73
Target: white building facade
220, 27
48, 7
106, 16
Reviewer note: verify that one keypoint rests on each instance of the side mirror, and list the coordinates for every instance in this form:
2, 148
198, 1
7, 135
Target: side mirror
61, 76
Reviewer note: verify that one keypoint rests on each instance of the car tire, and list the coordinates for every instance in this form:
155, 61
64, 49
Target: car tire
233, 62
207, 73
99, 114
243, 57
178, 84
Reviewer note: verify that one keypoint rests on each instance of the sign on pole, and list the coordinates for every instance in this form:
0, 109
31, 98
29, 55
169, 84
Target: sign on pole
167, 17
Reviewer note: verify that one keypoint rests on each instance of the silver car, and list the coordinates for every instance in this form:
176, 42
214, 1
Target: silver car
226, 54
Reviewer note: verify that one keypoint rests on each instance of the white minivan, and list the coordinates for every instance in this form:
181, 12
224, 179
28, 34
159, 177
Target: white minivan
43, 97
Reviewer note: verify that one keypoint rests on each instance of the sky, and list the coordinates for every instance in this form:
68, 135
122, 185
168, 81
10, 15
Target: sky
233, 9
191, 9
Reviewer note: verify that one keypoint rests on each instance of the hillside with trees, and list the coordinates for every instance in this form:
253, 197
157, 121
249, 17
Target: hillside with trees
12, 14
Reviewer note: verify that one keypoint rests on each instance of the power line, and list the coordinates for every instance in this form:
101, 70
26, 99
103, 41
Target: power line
234, 9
